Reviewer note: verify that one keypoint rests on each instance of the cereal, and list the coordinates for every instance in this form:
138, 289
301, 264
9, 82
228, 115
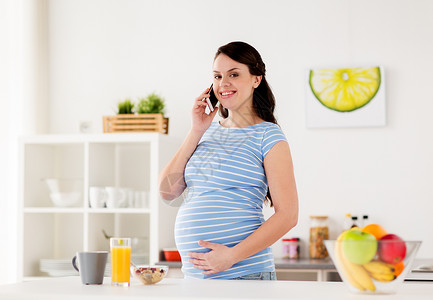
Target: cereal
317, 236
150, 275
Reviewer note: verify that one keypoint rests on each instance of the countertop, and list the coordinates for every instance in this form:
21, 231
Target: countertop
304, 263
307, 263
280, 263
419, 272
173, 288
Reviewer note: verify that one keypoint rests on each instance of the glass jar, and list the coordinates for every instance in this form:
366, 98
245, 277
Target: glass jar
291, 248
318, 233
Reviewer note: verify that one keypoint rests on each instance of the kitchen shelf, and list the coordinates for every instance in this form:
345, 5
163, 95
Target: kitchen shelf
38, 210
126, 160
89, 210
119, 210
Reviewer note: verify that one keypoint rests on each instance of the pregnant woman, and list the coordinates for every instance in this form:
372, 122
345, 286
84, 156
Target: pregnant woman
230, 169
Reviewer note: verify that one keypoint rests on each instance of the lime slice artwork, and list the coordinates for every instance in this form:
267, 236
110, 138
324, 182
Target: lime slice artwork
346, 89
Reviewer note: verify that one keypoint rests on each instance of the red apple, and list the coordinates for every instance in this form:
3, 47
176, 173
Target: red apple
392, 249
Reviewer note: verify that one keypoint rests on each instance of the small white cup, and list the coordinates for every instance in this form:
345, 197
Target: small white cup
141, 199
97, 197
129, 198
116, 197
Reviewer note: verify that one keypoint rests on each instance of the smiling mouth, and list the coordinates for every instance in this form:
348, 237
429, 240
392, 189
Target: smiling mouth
227, 93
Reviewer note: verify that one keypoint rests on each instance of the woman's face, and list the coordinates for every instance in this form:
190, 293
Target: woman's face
232, 83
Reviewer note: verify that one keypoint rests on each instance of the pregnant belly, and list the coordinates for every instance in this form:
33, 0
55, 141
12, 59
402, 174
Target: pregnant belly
214, 221
225, 233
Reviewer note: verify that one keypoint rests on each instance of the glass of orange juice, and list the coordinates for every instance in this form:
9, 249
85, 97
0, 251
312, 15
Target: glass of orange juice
120, 261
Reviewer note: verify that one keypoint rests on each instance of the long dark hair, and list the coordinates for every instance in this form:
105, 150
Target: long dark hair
263, 98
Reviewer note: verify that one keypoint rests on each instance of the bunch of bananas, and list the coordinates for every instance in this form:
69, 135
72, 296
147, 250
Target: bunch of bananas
361, 276
380, 271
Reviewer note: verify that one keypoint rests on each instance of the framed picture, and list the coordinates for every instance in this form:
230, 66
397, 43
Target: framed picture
345, 97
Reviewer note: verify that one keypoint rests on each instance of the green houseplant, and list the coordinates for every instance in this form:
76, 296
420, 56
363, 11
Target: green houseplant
145, 116
152, 104
125, 107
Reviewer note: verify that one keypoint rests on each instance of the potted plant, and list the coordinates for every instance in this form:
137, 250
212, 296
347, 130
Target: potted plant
152, 104
146, 116
125, 107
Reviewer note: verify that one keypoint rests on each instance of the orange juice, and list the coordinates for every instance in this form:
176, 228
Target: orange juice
120, 263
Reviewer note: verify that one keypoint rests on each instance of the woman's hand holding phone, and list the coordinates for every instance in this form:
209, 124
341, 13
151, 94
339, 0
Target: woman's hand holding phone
200, 119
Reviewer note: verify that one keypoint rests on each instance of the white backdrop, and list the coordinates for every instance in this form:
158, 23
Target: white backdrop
10, 102
24, 106
102, 51
98, 52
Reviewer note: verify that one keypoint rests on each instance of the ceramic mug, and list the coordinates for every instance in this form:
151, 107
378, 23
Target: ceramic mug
116, 197
141, 199
91, 266
129, 197
97, 197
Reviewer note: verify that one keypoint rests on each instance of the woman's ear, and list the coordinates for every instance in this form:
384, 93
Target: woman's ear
257, 80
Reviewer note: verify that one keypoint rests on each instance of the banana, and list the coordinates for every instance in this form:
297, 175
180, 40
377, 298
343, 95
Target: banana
355, 274
380, 271
382, 277
379, 267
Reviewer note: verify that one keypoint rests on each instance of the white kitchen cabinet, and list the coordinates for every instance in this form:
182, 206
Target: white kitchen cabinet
127, 160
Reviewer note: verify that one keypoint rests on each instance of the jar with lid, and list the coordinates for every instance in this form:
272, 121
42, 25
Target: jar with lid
291, 248
318, 233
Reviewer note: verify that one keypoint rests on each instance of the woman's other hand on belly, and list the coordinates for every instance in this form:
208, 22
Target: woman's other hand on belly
218, 259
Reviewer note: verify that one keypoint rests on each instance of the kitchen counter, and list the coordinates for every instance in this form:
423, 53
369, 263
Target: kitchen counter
173, 288
280, 263
304, 263
322, 268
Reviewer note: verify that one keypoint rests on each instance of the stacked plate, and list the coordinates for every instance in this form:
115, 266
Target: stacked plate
57, 267
63, 267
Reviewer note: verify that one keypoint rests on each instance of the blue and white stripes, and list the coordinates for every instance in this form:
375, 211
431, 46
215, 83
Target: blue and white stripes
226, 186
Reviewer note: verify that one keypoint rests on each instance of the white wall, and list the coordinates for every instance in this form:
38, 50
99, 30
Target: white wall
24, 107
6, 206
101, 51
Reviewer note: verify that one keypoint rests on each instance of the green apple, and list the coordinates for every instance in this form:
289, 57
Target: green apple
359, 247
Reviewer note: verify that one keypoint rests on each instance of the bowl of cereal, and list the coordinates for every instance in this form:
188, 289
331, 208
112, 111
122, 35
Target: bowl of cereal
149, 274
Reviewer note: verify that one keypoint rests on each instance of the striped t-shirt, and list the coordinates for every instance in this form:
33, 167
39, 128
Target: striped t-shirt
226, 185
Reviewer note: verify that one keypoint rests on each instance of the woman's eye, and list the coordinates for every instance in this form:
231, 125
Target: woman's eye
217, 77
234, 75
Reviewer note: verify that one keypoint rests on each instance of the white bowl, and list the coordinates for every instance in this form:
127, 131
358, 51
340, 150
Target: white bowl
59, 185
65, 192
66, 199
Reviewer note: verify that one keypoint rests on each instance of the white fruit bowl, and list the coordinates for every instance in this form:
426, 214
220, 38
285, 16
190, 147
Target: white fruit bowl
375, 276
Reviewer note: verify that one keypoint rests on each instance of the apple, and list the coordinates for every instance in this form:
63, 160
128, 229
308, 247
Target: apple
359, 247
392, 249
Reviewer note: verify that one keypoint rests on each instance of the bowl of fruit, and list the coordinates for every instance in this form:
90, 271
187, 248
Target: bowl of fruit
149, 274
370, 260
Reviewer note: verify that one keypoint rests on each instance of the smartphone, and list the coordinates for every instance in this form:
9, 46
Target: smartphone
212, 101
